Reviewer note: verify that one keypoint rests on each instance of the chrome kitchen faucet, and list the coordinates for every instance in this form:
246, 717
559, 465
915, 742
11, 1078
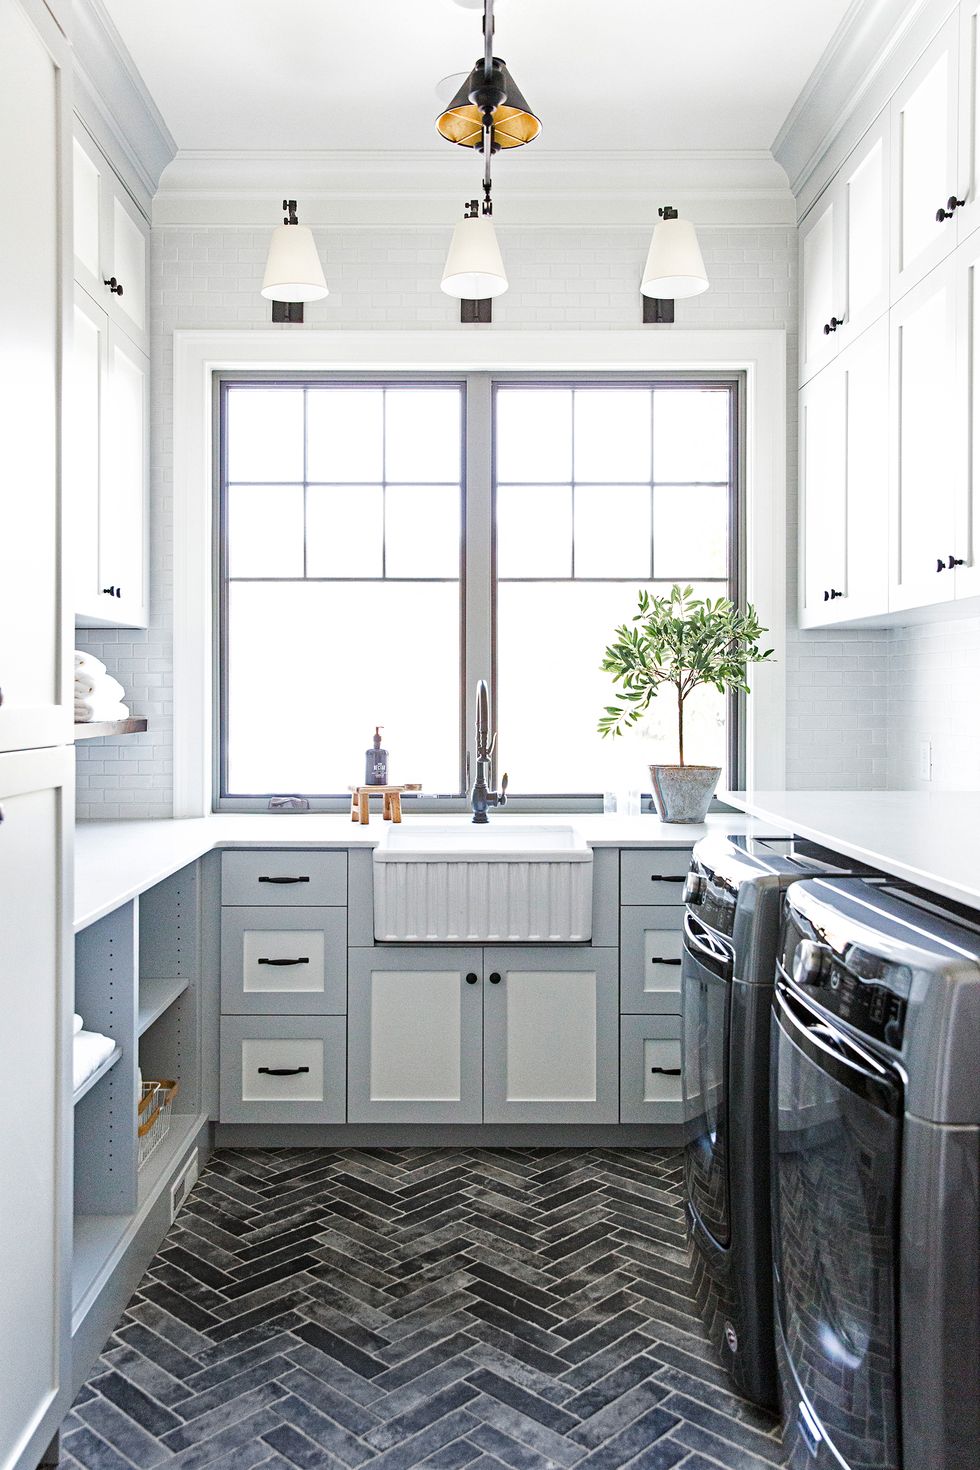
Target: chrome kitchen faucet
481, 796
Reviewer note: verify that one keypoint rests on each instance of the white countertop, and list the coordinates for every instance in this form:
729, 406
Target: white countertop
930, 838
116, 861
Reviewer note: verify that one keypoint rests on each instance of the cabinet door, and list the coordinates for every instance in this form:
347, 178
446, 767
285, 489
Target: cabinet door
862, 188
123, 507
821, 289
87, 170
927, 433
823, 497
864, 369
414, 1040
968, 214
84, 455
35, 254
924, 160
125, 228
550, 1044
966, 548
35, 1097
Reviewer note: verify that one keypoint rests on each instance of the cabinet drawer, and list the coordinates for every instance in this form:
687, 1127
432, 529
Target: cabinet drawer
651, 1085
283, 1069
655, 876
284, 878
287, 961
650, 959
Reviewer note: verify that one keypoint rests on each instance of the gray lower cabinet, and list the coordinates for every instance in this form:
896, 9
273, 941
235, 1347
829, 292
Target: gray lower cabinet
283, 961
415, 1052
650, 1069
650, 959
283, 1069
549, 1039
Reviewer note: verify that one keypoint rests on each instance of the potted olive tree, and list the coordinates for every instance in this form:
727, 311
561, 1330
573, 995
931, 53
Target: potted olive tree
684, 641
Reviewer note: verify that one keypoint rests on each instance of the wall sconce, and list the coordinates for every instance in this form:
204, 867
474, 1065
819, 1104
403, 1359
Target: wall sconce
293, 273
674, 268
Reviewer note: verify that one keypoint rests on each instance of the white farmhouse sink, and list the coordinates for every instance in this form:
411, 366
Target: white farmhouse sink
503, 883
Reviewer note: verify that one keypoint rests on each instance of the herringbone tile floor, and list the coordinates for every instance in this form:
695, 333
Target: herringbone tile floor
323, 1309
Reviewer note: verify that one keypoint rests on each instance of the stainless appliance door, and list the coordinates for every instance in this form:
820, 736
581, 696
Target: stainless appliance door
837, 1136
706, 975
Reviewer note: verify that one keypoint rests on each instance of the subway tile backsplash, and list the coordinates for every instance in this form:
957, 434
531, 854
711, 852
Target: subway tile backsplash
845, 690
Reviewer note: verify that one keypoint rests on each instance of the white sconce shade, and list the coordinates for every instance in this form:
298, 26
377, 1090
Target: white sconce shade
293, 271
474, 267
674, 265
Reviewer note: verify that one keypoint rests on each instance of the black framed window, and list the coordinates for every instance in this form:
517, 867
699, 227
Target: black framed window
382, 542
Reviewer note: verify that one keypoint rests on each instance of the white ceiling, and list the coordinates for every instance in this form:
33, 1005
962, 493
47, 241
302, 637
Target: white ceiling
298, 75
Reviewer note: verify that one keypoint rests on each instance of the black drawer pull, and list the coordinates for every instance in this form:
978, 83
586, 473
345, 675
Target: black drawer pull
660, 959
283, 880
665, 1071
666, 878
304, 961
283, 1071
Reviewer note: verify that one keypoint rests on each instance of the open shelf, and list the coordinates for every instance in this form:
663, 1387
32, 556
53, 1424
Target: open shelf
97, 1075
155, 997
97, 729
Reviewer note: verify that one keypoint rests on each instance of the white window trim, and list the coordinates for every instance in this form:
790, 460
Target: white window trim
760, 354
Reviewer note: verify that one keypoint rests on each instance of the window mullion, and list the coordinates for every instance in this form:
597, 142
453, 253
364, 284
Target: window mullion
478, 659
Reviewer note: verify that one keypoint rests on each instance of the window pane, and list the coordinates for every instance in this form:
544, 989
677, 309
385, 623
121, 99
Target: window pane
612, 531
422, 531
265, 434
530, 690
320, 701
690, 434
534, 434
534, 531
690, 531
345, 434
612, 434
422, 429
265, 531
344, 531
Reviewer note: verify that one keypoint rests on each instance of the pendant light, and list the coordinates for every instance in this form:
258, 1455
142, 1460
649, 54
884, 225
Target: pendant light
674, 265
293, 271
489, 98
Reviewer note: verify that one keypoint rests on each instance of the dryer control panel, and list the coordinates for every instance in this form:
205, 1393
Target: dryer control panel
868, 992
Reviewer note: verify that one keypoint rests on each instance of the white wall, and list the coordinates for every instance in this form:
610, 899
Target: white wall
560, 277
934, 695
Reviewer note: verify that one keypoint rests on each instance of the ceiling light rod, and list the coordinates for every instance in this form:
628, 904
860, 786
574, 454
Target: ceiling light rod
488, 39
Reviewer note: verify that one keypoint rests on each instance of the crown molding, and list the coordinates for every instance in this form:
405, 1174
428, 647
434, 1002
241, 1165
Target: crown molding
342, 189
113, 103
873, 48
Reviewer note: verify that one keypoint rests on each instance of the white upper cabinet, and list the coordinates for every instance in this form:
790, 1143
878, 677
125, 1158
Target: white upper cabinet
968, 182
110, 241
844, 485
844, 254
927, 439
966, 548
820, 285
925, 150
34, 290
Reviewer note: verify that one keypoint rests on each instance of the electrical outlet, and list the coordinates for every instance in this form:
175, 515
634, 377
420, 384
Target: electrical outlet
925, 760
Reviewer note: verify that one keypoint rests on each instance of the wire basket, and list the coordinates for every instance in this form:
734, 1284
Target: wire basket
153, 1116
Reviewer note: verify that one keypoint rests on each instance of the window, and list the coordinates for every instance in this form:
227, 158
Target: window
356, 524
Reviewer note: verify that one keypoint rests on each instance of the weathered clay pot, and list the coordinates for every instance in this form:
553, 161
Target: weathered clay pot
683, 793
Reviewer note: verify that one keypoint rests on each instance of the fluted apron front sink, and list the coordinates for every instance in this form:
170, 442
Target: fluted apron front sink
502, 883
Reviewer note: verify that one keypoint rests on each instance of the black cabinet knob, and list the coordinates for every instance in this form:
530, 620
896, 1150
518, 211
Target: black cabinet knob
494, 978
940, 564
471, 979
832, 325
109, 591
954, 561
834, 593
952, 205
113, 285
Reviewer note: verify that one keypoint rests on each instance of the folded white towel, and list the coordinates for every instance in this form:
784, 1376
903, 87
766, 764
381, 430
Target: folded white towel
87, 663
92, 710
104, 685
77, 1023
89, 1051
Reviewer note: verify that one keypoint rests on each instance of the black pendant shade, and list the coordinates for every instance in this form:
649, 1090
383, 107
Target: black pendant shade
513, 121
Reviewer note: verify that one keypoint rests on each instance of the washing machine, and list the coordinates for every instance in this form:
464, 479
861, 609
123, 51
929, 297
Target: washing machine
876, 1176
733, 896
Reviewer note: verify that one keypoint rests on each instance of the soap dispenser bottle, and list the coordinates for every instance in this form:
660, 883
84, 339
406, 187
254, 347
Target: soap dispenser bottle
376, 762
